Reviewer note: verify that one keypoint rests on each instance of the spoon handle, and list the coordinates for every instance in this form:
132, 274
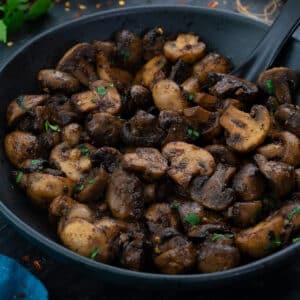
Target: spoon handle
270, 46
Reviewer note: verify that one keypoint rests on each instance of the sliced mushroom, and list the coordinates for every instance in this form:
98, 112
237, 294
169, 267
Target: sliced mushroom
79, 62
20, 146
180, 71
246, 131
124, 196
104, 129
187, 161
280, 81
280, 176
206, 101
214, 193
22, 105
186, 47
245, 214
297, 175
228, 86
223, 154
248, 183
286, 148
58, 81
191, 85
174, 256
197, 115
175, 125
212, 62
43, 188
86, 101
211, 130
160, 216
74, 162
139, 98
153, 43
71, 134
142, 130
147, 161
214, 256
129, 48
151, 72
168, 96
288, 116
107, 157
33, 165
263, 238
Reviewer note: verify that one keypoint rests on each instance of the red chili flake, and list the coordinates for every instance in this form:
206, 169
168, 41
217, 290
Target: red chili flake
26, 258
213, 4
37, 265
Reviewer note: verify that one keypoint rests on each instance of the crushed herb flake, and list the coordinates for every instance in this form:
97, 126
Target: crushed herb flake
91, 180
294, 212
48, 126
125, 54
83, 149
101, 90
35, 162
175, 205
111, 85
193, 133
94, 100
269, 86
296, 240
217, 236
94, 252
19, 177
275, 243
192, 219
191, 97
78, 188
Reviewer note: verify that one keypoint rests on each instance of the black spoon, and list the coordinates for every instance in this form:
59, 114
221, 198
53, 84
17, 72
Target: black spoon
270, 46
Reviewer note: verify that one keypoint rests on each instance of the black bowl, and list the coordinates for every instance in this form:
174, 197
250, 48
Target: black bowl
230, 34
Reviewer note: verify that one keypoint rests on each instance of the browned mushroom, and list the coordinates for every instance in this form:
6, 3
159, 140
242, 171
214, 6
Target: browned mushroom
180, 71
124, 195
286, 148
186, 161
153, 43
281, 82
104, 129
142, 130
214, 193
58, 81
186, 47
280, 176
22, 105
228, 86
212, 62
191, 85
297, 175
206, 101
147, 161
288, 116
168, 96
79, 62
71, 134
223, 154
246, 131
20, 146
248, 183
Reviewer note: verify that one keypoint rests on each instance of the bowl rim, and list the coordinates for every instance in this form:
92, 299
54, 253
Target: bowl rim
54, 247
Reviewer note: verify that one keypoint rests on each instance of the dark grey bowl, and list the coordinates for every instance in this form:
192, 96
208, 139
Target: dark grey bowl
230, 34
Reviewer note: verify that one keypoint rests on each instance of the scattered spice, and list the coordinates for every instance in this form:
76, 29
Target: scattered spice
217, 236
270, 86
192, 219
101, 90
48, 126
94, 252
213, 4
294, 212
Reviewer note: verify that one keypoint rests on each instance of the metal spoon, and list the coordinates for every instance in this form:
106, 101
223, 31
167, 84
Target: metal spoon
270, 46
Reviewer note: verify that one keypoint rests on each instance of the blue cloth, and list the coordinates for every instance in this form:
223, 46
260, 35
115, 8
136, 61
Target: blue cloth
18, 283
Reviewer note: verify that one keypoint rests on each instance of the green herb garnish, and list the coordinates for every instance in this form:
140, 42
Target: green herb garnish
192, 219
296, 240
94, 252
272, 111
269, 86
191, 97
35, 162
217, 236
192, 132
83, 149
19, 177
94, 100
175, 205
101, 90
125, 54
294, 212
48, 126
91, 180
15, 12
78, 188
111, 85
275, 243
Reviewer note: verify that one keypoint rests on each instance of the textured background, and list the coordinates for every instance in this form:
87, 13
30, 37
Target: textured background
66, 283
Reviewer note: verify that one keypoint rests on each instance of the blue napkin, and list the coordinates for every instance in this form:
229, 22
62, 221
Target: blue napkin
18, 283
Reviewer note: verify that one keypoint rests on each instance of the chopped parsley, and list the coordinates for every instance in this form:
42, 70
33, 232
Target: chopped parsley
272, 111
83, 149
175, 205
78, 188
269, 86
125, 54
19, 177
296, 240
294, 212
94, 252
192, 219
48, 126
217, 236
101, 90
191, 97
35, 162
192, 132
91, 180
275, 243
111, 85
94, 100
